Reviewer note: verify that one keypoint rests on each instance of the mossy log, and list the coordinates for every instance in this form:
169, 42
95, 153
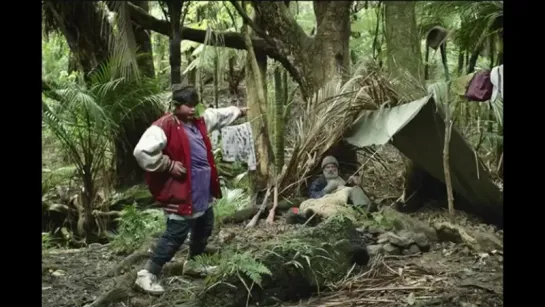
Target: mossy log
301, 262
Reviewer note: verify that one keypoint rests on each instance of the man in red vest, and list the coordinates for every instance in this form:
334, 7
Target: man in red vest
176, 154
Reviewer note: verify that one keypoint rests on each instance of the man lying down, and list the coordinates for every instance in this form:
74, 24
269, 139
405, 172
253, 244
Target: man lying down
328, 182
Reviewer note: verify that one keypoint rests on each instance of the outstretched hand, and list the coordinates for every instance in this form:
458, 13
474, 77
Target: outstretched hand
243, 111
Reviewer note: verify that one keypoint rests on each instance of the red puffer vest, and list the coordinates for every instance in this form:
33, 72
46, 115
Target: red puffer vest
174, 194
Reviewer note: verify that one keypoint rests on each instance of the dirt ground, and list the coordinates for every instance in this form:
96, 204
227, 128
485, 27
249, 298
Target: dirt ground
448, 275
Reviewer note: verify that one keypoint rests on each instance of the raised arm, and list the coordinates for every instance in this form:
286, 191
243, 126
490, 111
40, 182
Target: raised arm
216, 119
149, 150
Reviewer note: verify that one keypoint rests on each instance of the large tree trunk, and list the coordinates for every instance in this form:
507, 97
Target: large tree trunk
312, 61
405, 64
128, 173
85, 29
143, 42
256, 93
175, 58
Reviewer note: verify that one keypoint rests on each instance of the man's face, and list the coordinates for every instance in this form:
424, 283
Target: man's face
330, 171
185, 111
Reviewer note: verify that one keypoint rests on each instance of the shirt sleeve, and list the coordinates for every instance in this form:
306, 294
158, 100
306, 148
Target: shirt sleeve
216, 119
149, 150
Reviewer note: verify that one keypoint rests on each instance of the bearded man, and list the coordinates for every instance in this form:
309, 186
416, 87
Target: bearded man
329, 181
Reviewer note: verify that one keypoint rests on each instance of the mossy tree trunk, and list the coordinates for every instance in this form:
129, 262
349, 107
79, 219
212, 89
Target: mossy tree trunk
143, 43
280, 101
404, 60
256, 93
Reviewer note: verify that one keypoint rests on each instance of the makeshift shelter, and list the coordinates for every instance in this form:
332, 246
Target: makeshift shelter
366, 111
417, 130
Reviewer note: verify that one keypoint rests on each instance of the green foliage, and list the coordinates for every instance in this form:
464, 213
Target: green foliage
229, 169
46, 241
231, 202
87, 117
55, 59
135, 227
53, 178
242, 266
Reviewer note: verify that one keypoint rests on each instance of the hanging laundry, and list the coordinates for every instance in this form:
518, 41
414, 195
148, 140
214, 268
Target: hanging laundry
496, 78
480, 87
238, 145
215, 139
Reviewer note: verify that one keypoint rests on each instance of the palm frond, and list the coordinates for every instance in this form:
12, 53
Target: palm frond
476, 19
123, 43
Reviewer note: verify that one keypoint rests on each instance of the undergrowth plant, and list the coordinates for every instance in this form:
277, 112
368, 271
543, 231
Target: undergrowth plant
46, 241
231, 202
135, 227
242, 266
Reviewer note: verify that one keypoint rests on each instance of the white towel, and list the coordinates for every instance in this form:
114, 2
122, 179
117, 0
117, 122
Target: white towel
238, 144
496, 77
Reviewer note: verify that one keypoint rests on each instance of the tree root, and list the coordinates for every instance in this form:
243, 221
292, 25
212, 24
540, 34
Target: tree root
120, 292
130, 260
477, 241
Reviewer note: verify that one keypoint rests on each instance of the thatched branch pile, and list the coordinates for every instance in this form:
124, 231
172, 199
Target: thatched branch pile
328, 116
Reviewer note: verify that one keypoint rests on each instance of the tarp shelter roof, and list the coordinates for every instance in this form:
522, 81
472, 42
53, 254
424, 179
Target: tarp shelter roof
417, 130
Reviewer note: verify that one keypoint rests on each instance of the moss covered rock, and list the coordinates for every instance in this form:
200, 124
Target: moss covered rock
300, 262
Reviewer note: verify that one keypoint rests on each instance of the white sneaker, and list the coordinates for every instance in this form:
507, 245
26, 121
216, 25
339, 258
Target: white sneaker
149, 283
191, 268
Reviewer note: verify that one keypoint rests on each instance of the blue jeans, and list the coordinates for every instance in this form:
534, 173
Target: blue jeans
176, 234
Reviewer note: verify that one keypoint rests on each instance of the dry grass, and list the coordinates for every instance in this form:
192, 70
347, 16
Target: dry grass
432, 279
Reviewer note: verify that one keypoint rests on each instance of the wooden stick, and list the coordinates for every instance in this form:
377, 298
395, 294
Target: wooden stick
270, 218
253, 222
446, 166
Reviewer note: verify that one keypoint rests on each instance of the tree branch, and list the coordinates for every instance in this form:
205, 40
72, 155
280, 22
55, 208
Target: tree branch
250, 22
230, 39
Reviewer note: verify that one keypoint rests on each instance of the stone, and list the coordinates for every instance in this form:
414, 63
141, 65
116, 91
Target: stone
225, 236
413, 249
403, 221
95, 246
391, 249
383, 238
374, 249
58, 273
374, 230
422, 241
404, 239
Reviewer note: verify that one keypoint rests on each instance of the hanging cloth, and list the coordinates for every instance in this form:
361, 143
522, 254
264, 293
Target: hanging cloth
238, 145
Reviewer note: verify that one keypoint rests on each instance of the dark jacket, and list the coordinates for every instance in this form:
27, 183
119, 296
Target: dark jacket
316, 187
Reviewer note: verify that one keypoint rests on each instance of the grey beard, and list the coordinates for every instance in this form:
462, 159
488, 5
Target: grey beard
331, 174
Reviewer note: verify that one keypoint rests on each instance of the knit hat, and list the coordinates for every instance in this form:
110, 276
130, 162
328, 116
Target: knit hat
329, 160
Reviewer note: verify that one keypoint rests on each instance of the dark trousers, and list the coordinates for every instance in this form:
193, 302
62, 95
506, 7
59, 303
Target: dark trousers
175, 235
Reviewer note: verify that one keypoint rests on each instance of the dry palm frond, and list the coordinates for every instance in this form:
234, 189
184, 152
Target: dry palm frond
372, 285
123, 43
328, 115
